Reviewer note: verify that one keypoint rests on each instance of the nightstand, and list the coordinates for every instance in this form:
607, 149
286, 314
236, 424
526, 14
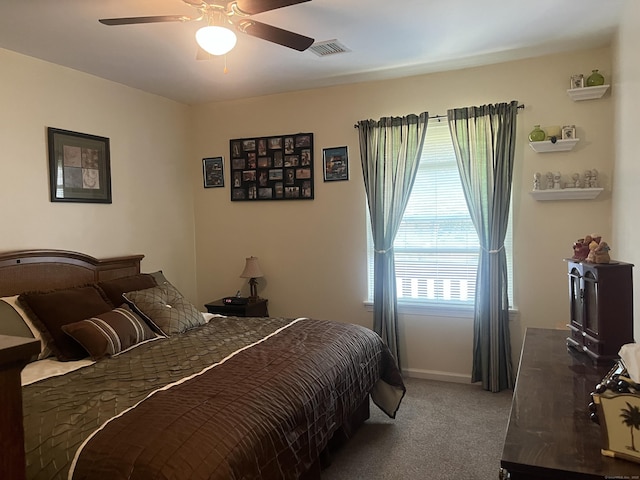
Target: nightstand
251, 309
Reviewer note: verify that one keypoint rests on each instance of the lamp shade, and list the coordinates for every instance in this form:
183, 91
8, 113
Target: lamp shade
216, 40
251, 269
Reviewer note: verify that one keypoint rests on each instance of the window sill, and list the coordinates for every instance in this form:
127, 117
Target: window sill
420, 309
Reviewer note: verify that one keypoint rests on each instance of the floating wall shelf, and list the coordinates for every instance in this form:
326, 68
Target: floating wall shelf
587, 93
560, 145
567, 194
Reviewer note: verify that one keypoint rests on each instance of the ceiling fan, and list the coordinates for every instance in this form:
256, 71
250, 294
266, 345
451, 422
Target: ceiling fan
223, 17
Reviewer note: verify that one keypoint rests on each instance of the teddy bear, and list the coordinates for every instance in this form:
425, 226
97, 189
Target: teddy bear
601, 253
591, 258
581, 248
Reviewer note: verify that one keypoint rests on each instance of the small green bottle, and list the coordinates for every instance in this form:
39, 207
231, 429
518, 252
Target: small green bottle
595, 79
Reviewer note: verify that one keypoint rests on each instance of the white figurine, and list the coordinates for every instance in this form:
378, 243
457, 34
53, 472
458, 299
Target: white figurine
556, 181
549, 180
587, 178
536, 181
594, 179
576, 180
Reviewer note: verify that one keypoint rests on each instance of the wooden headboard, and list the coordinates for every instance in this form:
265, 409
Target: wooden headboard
28, 270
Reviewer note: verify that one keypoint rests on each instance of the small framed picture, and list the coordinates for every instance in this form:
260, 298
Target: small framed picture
213, 172
568, 132
336, 163
577, 80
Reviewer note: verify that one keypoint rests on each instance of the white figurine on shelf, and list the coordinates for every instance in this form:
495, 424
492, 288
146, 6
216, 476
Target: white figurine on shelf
536, 181
587, 178
549, 180
594, 179
556, 181
576, 180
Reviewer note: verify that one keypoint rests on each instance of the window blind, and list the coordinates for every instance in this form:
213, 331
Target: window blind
436, 248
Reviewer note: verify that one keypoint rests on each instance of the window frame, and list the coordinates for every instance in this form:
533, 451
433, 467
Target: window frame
440, 308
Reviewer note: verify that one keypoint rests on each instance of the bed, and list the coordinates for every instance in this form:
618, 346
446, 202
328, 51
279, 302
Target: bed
165, 391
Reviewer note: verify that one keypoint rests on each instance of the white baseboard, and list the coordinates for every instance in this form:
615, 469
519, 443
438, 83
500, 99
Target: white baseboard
436, 375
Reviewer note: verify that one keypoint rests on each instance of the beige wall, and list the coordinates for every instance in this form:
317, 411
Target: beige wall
626, 194
313, 253
152, 210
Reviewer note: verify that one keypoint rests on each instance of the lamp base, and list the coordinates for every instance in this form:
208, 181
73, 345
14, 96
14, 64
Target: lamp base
253, 287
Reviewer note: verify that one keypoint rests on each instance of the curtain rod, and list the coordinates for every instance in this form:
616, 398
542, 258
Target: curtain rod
443, 116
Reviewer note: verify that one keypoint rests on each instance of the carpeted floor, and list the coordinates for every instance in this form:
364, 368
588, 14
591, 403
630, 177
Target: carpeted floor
443, 431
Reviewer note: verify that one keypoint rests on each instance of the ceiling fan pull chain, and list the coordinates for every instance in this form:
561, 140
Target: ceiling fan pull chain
225, 71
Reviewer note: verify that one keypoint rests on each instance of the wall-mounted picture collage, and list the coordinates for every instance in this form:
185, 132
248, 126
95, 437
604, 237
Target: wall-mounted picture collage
272, 168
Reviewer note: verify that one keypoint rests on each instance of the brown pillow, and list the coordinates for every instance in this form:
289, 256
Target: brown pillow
110, 333
49, 311
116, 287
165, 308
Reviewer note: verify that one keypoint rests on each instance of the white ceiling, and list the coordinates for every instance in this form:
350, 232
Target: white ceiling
387, 39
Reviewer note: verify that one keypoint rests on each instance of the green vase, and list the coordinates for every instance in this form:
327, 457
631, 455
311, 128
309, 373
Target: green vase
595, 79
537, 134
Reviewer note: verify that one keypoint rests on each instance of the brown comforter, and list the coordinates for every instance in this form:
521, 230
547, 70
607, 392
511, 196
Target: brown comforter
247, 398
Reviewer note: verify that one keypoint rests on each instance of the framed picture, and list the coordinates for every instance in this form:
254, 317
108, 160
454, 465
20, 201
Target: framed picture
577, 81
336, 163
79, 167
213, 172
568, 132
272, 168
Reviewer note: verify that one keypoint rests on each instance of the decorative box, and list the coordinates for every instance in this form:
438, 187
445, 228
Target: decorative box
616, 408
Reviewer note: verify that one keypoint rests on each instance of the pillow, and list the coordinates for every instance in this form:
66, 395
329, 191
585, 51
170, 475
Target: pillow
116, 287
109, 333
159, 277
11, 322
49, 311
165, 308
15, 321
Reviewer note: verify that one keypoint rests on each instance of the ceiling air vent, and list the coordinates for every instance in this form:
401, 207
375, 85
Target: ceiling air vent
330, 47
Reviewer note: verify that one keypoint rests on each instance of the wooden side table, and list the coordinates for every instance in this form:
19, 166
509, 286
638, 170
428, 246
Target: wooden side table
251, 309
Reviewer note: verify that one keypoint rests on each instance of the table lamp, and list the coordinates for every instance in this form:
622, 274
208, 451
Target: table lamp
252, 271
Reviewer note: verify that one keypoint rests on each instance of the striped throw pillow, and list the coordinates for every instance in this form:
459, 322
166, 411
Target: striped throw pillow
110, 333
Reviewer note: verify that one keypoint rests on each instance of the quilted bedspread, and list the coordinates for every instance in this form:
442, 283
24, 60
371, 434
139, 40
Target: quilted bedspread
249, 398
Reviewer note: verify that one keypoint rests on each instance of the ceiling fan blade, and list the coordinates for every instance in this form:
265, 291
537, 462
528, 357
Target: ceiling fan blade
258, 6
276, 35
134, 20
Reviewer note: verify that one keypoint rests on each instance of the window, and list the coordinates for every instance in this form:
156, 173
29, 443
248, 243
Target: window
436, 249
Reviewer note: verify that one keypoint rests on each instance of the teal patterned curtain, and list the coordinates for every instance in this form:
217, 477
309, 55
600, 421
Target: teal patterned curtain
484, 141
390, 150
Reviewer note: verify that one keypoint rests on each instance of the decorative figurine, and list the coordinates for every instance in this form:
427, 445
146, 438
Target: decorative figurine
576, 180
594, 179
549, 180
601, 253
587, 178
556, 181
536, 181
591, 249
581, 248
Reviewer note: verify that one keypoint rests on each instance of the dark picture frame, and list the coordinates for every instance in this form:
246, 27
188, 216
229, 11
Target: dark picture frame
272, 168
79, 167
213, 172
335, 162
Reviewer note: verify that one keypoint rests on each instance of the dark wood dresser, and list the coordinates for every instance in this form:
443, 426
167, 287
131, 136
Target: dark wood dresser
550, 435
601, 308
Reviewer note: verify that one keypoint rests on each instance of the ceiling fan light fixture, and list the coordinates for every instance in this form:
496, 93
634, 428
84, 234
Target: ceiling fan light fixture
216, 40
